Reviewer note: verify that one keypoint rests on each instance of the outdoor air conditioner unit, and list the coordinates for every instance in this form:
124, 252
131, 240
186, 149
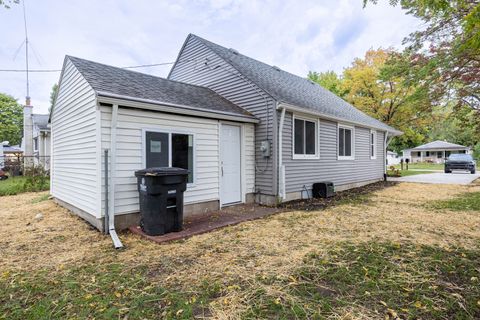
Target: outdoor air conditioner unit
323, 190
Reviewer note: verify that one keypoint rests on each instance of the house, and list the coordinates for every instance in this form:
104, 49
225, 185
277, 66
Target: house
392, 158
11, 158
36, 137
246, 131
435, 151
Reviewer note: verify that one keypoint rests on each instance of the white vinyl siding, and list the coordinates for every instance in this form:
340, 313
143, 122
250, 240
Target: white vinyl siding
74, 156
130, 153
305, 172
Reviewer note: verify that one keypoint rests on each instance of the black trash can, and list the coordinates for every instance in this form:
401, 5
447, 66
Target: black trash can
161, 199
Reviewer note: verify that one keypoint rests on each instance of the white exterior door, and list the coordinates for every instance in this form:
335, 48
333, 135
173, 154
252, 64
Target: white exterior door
230, 164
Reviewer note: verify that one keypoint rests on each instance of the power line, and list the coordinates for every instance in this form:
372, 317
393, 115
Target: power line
58, 70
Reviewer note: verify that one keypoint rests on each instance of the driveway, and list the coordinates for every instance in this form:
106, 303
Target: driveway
440, 178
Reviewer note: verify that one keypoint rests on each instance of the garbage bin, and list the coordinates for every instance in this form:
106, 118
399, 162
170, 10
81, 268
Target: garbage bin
161, 199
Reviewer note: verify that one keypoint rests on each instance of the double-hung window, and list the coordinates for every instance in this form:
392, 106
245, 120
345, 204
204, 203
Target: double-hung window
167, 149
305, 135
373, 144
346, 145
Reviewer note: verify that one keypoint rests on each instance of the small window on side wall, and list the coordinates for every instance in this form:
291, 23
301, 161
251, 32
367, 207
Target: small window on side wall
170, 150
305, 133
345, 143
373, 144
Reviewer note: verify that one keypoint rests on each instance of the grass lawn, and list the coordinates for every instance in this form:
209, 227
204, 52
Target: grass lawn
404, 173
387, 258
421, 165
16, 185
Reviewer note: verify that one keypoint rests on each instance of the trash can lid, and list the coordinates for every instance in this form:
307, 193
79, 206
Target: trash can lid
161, 171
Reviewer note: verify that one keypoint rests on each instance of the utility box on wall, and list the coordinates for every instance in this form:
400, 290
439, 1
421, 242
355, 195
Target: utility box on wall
265, 148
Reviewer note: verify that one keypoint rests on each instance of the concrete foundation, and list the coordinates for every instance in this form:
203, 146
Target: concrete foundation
290, 196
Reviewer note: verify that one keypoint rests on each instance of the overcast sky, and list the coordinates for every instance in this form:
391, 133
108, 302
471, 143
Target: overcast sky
295, 35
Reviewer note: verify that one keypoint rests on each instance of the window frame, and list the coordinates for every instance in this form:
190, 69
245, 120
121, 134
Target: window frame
170, 132
304, 156
374, 133
348, 127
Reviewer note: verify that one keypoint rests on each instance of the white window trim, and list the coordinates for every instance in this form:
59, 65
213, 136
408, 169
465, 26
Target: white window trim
317, 131
344, 126
374, 132
170, 132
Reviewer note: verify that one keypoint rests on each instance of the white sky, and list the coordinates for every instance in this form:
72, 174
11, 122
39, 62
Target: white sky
295, 35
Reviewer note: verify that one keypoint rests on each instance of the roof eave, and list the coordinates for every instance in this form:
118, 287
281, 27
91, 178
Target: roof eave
146, 104
290, 107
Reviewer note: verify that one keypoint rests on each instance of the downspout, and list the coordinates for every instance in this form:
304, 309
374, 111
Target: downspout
386, 143
281, 167
113, 154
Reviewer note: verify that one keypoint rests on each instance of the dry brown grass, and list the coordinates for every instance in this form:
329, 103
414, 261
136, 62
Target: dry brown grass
238, 255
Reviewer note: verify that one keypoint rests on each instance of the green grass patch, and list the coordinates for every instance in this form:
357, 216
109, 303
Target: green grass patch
463, 202
376, 279
405, 173
421, 165
111, 291
382, 279
20, 184
41, 198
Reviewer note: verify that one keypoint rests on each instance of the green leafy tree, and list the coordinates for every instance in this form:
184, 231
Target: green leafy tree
11, 119
7, 3
374, 85
445, 54
329, 80
53, 96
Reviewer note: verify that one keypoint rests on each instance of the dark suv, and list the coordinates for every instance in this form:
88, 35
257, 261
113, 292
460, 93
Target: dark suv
460, 161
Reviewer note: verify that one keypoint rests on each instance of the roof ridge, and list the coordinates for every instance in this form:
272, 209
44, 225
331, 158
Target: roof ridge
211, 45
137, 72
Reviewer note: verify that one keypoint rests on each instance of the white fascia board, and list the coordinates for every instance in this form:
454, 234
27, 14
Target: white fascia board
170, 108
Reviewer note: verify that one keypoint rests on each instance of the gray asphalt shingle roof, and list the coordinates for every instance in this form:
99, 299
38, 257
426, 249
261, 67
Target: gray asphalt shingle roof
439, 145
106, 79
41, 121
289, 88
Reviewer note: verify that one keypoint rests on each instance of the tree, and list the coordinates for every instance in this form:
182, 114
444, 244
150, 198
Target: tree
445, 55
7, 3
373, 85
53, 96
11, 119
329, 80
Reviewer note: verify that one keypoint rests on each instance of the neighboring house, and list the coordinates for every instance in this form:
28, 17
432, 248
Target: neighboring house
435, 151
11, 159
247, 132
392, 158
36, 138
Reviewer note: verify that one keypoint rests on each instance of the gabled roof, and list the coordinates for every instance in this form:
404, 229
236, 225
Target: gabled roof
439, 145
11, 149
294, 90
41, 121
135, 86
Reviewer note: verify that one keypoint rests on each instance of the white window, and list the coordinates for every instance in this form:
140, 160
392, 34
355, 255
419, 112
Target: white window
168, 149
373, 144
305, 138
35, 144
346, 144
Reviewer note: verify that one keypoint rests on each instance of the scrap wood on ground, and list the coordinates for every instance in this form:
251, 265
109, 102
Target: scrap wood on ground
356, 259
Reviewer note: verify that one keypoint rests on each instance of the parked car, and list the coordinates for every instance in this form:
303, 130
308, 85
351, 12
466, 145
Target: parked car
460, 161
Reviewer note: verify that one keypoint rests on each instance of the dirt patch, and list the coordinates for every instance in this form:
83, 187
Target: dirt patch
356, 195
